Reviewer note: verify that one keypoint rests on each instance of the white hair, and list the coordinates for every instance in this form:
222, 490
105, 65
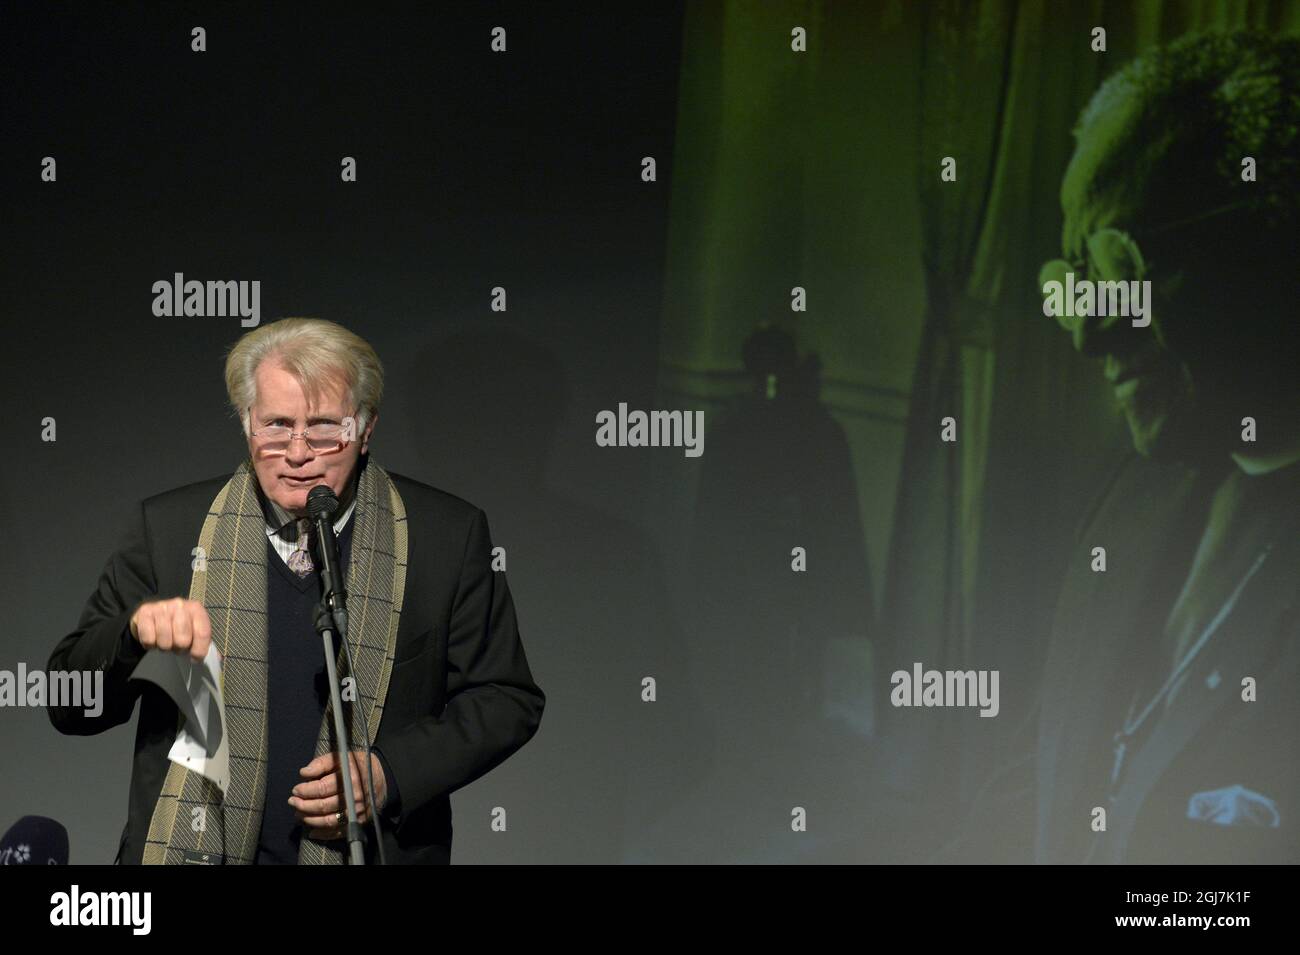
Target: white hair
318, 353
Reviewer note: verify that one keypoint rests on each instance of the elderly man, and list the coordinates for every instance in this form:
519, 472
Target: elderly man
1170, 704
441, 684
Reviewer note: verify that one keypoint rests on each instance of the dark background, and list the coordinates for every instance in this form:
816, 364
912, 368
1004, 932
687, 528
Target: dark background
519, 170
523, 170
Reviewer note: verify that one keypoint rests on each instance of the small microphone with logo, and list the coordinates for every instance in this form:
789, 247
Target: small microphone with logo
35, 840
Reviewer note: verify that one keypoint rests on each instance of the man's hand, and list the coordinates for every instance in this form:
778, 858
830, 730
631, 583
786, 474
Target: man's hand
319, 799
174, 624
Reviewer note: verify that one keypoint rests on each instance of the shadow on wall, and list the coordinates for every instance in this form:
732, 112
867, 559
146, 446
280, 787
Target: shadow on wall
593, 609
778, 629
782, 591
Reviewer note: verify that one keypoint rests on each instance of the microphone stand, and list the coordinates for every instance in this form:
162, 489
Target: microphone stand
332, 608
325, 627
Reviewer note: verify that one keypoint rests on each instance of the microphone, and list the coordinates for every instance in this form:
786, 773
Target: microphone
321, 506
35, 840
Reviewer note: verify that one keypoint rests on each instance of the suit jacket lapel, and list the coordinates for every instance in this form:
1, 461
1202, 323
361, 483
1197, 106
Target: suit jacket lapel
1104, 624
1244, 632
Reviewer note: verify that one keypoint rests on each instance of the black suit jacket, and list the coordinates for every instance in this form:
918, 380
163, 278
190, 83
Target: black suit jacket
461, 697
1106, 648
1206, 739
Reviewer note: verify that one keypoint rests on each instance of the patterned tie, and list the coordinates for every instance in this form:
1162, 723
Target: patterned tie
300, 561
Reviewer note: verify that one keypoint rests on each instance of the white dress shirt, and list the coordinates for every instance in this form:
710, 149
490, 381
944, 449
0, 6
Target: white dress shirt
284, 535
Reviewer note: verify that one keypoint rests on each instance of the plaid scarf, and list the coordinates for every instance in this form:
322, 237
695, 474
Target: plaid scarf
191, 819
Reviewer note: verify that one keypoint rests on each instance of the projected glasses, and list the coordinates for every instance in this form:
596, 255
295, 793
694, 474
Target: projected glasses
1113, 255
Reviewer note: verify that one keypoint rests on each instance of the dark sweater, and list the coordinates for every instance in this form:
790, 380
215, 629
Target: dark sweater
297, 697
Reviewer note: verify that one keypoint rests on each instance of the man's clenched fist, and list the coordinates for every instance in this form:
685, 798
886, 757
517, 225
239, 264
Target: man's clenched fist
175, 624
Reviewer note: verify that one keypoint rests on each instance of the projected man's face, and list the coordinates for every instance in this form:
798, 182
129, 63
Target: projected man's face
1151, 384
1166, 377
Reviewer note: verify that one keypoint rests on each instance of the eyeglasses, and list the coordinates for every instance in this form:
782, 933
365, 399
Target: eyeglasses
321, 438
1114, 255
